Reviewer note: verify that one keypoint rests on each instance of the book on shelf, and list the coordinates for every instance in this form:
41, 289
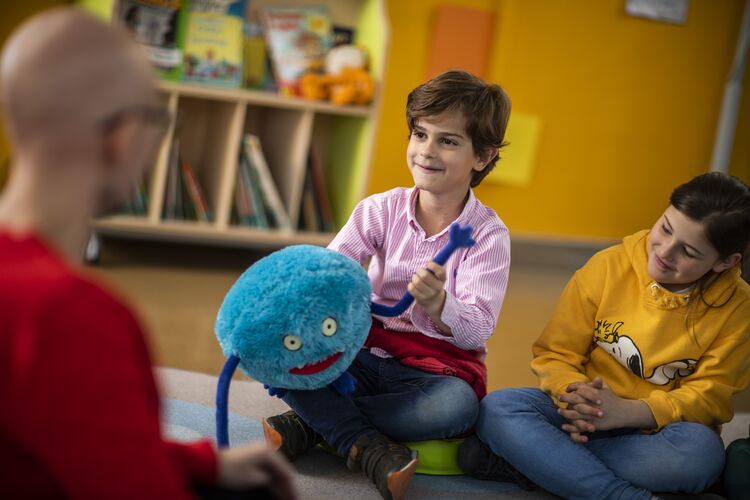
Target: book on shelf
213, 44
138, 203
250, 206
184, 198
157, 25
342, 35
243, 212
256, 160
169, 211
309, 219
196, 196
298, 39
256, 68
320, 191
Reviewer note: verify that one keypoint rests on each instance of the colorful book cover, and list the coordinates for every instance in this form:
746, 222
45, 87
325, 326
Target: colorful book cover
157, 26
298, 39
213, 47
256, 71
196, 194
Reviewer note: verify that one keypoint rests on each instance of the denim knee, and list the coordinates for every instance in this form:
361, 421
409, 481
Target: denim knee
453, 405
698, 459
504, 402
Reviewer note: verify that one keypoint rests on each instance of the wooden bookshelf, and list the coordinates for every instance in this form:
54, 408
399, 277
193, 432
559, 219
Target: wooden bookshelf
211, 121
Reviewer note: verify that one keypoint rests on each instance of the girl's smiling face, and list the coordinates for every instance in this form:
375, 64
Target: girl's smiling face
679, 253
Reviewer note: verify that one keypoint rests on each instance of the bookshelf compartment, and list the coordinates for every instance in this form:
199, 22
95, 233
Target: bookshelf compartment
343, 145
212, 121
208, 138
285, 138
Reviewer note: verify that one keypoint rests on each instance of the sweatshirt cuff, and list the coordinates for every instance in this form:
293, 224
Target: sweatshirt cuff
660, 406
198, 460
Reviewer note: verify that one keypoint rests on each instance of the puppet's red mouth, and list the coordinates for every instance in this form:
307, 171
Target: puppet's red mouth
316, 367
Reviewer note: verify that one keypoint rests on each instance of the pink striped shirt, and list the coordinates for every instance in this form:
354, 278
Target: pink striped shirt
383, 226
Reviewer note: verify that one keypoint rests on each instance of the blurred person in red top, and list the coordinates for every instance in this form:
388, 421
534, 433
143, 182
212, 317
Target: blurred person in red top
79, 408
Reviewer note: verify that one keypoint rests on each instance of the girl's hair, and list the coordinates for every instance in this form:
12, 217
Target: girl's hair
721, 203
485, 106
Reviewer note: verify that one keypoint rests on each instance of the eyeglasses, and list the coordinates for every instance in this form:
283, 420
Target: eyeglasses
158, 116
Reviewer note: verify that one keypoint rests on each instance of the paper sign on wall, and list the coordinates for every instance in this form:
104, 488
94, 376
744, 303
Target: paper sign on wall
517, 159
671, 11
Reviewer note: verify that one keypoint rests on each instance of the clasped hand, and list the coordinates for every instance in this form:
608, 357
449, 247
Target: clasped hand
591, 406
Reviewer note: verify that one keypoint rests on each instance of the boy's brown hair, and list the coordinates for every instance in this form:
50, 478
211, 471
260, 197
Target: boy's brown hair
485, 106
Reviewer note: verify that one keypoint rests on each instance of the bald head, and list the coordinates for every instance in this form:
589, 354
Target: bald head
64, 71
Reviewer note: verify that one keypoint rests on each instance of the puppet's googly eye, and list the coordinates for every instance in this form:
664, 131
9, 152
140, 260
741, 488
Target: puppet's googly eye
329, 327
293, 342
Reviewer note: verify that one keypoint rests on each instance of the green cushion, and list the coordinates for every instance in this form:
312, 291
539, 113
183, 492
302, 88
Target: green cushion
437, 457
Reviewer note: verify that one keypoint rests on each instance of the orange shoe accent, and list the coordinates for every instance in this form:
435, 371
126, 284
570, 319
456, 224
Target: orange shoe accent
273, 437
398, 481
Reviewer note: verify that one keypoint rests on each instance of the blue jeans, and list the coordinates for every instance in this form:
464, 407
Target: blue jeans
403, 403
522, 426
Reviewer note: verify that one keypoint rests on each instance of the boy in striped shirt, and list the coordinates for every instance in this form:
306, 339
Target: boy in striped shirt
421, 374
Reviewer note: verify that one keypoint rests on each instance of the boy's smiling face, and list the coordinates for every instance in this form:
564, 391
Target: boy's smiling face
441, 156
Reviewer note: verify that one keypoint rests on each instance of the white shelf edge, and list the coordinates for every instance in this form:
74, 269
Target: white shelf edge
207, 233
258, 97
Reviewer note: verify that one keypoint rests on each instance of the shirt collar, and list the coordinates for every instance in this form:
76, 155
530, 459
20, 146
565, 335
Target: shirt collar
464, 217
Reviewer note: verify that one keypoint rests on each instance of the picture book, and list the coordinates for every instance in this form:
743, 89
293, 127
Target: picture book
256, 73
213, 46
156, 25
298, 39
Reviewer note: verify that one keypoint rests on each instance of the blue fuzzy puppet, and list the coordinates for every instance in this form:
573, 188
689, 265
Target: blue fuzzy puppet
297, 318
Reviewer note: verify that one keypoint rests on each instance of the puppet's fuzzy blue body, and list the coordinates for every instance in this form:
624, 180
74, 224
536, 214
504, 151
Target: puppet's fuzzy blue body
297, 318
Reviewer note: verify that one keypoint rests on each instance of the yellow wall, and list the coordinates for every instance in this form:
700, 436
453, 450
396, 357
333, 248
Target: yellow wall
628, 106
11, 15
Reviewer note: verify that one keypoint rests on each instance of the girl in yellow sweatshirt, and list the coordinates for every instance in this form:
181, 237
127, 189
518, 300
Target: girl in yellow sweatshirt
638, 364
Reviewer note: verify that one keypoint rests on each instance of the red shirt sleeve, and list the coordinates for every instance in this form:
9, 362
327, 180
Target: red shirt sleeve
88, 407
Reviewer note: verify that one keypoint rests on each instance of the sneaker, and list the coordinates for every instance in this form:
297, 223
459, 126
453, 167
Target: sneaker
478, 461
290, 434
389, 465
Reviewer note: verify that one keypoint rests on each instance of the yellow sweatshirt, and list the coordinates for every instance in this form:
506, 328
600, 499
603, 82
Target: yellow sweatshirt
615, 322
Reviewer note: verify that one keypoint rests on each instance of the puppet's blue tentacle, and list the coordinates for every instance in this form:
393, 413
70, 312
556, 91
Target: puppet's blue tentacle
459, 236
222, 401
394, 310
345, 384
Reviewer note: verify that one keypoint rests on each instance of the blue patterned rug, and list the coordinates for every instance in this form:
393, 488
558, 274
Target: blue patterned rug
320, 474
